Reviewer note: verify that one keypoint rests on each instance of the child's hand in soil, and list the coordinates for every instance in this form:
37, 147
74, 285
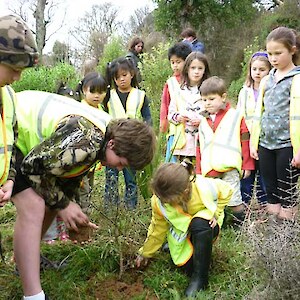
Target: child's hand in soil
141, 261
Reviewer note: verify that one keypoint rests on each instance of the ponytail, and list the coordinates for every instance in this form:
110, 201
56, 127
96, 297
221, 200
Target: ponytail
78, 91
188, 165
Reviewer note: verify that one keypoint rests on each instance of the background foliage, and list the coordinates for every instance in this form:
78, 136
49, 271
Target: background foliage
232, 31
48, 79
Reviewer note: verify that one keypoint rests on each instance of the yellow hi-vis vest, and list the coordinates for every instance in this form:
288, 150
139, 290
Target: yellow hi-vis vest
83, 101
246, 105
174, 88
134, 104
205, 191
294, 114
7, 132
38, 114
221, 150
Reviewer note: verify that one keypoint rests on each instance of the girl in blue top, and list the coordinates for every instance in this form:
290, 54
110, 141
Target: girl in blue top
276, 128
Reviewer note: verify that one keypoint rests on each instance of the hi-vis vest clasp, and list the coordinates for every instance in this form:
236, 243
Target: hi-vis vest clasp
7, 132
294, 114
221, 150
134, 104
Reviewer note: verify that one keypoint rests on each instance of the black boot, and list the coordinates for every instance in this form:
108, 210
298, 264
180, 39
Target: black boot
238, 219
202, 243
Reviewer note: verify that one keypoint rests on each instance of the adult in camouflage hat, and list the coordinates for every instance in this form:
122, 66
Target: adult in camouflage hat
17, 51
17, 45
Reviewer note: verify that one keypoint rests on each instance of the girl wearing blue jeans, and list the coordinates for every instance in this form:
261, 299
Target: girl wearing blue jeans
125, 100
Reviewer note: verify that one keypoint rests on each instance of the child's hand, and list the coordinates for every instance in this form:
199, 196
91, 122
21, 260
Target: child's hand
296, 160
253, 152
195, 122
141, 261
213, 222
5, 192
182, 119
246, 174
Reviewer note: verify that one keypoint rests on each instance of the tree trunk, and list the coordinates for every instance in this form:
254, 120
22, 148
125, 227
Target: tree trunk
40, 25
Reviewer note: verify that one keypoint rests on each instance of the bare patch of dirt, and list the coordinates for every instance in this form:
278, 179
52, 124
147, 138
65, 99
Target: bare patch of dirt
130, 286
83, 235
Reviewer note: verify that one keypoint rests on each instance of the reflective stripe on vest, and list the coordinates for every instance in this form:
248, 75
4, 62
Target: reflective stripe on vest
39, 113
180, 137
181, 249
83, 101
173, 87
134, 104
221, 150
7, 131
208, 187
294, 114
247, 105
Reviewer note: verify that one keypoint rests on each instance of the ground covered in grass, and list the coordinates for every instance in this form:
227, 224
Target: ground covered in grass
104, 268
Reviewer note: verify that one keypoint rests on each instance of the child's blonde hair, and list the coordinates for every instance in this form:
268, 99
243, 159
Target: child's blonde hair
289, 38
172, 180
261, 56
213, 85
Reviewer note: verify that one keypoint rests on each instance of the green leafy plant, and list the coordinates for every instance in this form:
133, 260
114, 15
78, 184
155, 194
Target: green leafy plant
111, 51
236, 85
47, 79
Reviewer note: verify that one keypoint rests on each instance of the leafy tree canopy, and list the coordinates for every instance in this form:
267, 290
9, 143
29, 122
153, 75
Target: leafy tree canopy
171, 13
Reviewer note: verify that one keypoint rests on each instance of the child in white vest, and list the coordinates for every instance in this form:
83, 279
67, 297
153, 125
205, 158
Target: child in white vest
223, 150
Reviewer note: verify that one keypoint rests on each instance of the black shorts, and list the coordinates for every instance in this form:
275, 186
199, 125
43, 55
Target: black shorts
21, 181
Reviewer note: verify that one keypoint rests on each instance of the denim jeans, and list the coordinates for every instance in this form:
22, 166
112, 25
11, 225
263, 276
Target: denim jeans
169, 155
247, 186
112, 187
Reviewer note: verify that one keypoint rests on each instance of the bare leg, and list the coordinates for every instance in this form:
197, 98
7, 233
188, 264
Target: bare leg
273, 209
289, 213
27, 236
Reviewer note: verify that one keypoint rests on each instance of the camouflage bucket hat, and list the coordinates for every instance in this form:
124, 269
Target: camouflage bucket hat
17, 44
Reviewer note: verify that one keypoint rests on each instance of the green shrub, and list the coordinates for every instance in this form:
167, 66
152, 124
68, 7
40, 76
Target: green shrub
236, 85
155, 71
47, 79
111, 51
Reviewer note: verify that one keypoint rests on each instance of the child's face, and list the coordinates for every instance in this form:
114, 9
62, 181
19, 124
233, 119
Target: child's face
177, 64
213, 102
139, 47
112, 159
123, 80
93, 99
279, 56
259, 69
9, 74
195, 72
